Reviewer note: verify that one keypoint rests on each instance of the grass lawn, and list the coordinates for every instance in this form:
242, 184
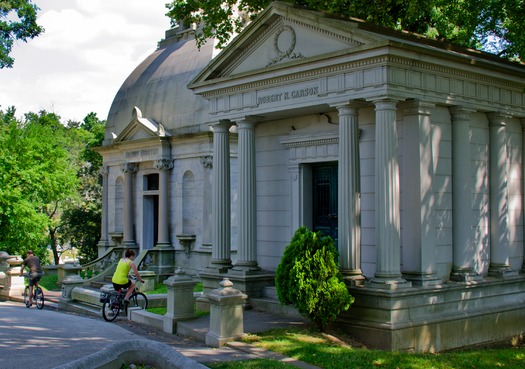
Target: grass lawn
49, 282
337, 351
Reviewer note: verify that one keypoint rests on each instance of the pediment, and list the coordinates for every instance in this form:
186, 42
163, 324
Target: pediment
141, 128
282, 34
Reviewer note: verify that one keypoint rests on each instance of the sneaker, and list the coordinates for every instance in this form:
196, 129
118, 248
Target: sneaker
126, 301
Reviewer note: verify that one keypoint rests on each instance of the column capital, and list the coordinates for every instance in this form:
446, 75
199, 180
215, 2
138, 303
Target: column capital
104, 170
385, 100
349, 106
386, 104
246, 124
129, 167
498, 118
417, 107
460, 112
163, 164
223, 126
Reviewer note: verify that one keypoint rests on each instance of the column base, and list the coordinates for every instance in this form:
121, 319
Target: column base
502, 271
251, 284
220, 266
129, 245
423, 279
388, 283
245, 269
465, 275
163, 246
353, 277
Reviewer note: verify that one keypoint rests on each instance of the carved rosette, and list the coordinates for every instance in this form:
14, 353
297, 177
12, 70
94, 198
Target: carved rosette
163, 164
207, 162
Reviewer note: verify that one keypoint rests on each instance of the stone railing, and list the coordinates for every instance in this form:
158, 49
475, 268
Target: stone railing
98, 268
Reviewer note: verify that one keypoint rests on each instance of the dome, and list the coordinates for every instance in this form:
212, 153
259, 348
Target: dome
158, 86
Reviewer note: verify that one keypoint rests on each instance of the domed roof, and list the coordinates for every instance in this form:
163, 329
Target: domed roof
158, 86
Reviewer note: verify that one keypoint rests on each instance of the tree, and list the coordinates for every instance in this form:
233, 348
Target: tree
308, 278
17, 22
494, 26
37, 177
81, 220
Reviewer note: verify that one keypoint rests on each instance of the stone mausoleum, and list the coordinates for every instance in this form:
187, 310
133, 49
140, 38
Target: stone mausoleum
409, 152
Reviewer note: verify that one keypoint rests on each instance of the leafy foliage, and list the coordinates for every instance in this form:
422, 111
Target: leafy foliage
495, 26
81, 220
17, 22
49, 190
308, 277
35, 177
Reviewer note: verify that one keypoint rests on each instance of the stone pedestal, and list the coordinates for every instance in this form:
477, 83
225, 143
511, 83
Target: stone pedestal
68, 284
11, 283
180, 301
226, 314
67, 270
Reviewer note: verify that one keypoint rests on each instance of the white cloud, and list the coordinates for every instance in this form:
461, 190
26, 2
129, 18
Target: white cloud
87, 51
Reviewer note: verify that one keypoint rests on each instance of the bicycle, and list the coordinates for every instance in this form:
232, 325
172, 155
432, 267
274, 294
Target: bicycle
113, 303
38, 295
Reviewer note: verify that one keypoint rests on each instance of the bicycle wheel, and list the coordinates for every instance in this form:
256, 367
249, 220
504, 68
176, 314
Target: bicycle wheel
137, 300
39, 298
26, 297
110, 308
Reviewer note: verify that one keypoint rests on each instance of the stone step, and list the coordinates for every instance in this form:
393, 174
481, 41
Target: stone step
269, 302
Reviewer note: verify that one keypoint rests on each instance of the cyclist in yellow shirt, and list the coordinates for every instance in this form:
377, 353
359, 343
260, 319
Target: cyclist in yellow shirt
120, 277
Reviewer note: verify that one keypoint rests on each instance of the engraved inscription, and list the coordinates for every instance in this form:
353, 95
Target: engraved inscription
288, 95
143, 154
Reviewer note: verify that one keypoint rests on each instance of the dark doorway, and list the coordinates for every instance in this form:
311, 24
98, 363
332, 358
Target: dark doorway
324, 188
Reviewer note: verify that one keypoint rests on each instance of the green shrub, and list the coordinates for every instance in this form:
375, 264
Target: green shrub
308, 278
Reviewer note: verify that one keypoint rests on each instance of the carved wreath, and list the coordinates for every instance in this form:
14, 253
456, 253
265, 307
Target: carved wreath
288, 52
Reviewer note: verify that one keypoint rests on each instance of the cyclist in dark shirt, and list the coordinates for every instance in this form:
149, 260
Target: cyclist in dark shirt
32, 262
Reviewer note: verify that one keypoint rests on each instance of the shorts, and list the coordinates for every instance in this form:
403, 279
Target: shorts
117, 286
33, 278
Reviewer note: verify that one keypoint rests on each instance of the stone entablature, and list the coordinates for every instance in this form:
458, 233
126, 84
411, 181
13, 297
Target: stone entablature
366, 79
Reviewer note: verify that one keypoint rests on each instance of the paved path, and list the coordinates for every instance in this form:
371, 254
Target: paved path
48, 338
32, 338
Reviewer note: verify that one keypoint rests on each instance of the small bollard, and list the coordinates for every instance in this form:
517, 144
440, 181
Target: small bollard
226, 314
180, 300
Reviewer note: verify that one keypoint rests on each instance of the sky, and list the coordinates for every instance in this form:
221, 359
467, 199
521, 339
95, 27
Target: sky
78, 64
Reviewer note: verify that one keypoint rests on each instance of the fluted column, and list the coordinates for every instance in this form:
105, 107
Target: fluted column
462, 232
349, 195
419, 238
247, 248
129, 169
164, 166
103, 243
388, 247
221, 206
498, 173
